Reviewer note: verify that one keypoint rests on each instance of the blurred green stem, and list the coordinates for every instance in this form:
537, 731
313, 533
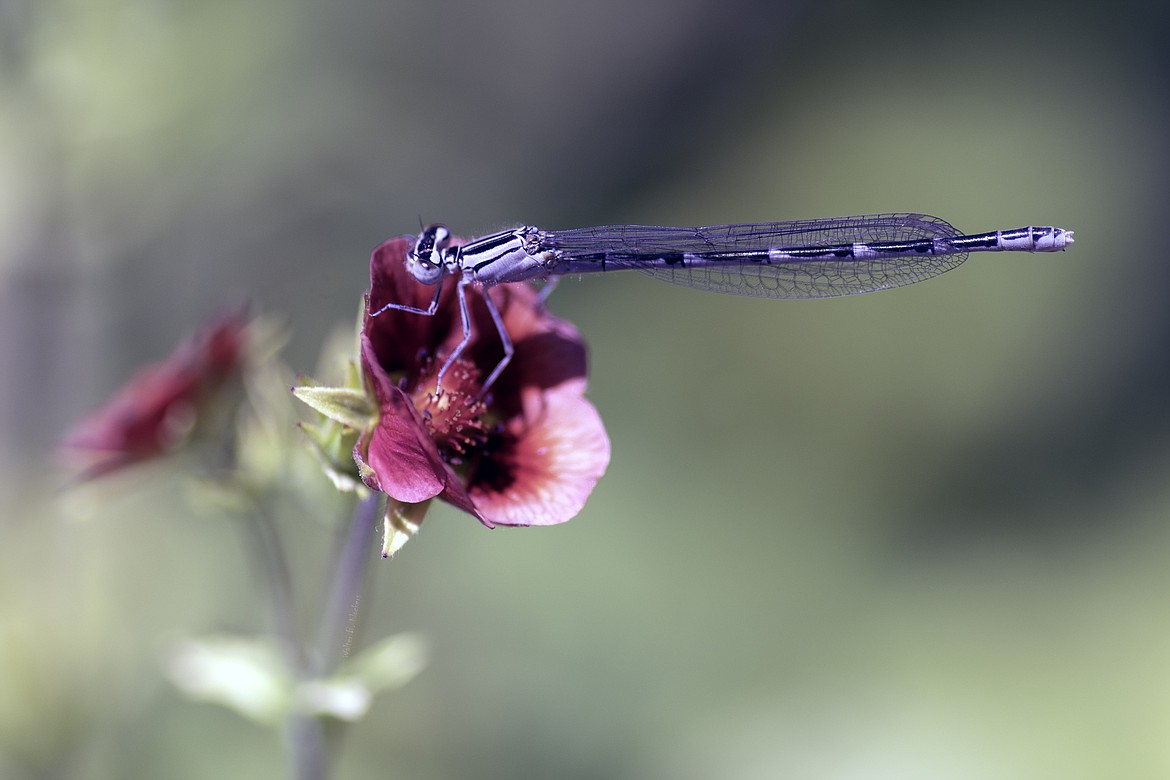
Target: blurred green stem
306, 733
339, 620
303, 734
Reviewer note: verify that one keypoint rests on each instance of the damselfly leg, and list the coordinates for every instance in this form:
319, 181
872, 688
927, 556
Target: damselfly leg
428, 311
505, 341
428, 261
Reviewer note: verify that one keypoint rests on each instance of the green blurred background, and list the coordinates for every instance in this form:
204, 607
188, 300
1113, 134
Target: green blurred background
916, 534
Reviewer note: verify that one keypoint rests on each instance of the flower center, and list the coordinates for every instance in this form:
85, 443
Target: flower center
454, 417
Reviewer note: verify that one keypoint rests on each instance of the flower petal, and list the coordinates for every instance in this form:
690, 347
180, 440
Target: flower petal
547, 467
549, 352
401, 338
160, 407
403, 458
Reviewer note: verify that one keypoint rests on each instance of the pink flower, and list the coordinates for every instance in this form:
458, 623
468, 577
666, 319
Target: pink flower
528, 453
158, 409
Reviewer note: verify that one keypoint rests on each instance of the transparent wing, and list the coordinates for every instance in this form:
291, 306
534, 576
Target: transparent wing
808, 278
640, 248
650, 240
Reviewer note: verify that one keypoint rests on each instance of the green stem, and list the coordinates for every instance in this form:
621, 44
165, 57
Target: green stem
306, 733
339, 620
303, 734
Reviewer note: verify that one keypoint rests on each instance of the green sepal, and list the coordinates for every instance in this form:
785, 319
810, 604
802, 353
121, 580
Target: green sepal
345, 405
332, 446
401, 524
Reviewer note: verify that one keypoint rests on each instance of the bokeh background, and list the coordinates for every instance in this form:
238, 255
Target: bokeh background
916, 534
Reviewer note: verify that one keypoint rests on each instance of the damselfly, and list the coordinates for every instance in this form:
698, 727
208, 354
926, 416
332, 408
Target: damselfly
814, 258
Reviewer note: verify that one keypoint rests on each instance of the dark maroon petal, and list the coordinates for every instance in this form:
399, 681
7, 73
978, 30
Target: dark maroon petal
402, 340
155, 411
543, 468
147, 418
550, 359
549, 351
374, 375
389, 280
407, 464
402, 456
133, 420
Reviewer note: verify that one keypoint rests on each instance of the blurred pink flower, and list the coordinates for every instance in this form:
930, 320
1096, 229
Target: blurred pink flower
528, 453
158, 409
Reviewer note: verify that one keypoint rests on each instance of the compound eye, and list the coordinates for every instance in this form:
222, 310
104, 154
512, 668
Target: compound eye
425, 260
431, 243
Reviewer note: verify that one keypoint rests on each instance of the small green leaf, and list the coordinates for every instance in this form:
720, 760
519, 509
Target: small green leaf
332, 445
391, 663
345, 405
245, 675
342, 698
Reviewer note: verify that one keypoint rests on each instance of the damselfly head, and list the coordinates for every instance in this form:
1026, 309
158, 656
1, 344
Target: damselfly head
425, 261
